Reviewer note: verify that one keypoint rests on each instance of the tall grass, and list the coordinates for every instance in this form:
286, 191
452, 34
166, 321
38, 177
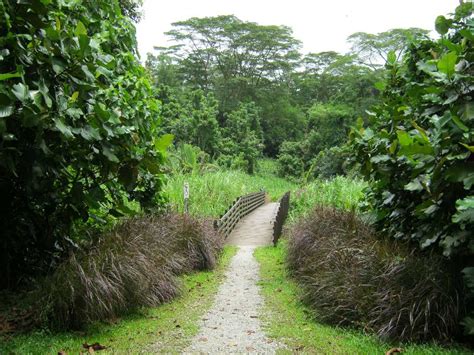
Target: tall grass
341, 192
212, 193
352, 277
134, 265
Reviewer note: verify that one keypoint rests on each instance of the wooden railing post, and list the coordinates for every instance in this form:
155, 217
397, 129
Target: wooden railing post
281, 217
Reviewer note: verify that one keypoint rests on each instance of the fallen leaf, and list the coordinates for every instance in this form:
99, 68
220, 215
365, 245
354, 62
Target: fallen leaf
250, 332
394, 351
203, 339
62, 352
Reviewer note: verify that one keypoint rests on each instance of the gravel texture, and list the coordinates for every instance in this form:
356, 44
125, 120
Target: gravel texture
232, 325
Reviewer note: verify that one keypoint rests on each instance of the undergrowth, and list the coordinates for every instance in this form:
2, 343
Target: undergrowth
211, 193
342, 192
351, 277
134, 265
294, 323
167, 328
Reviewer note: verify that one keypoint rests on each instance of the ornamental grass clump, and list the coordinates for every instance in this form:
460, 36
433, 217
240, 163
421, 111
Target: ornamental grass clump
351, 277
136, 265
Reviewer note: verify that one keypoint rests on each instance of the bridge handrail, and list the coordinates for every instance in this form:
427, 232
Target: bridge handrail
241, 207
281, 217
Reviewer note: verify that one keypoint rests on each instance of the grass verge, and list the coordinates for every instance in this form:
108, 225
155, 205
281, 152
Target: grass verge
166, 328
289, 321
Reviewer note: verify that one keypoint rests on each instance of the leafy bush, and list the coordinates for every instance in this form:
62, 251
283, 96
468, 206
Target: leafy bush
133, 266
418, 150
292, 160
328, 125
351, 277
188, 159
78, 126
330, 162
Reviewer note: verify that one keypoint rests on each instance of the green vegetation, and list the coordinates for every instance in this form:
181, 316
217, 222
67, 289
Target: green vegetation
417, 149
290, 321
166, 328
134, 265
340, 192
79, 132
87, 135
351, 277
212, 193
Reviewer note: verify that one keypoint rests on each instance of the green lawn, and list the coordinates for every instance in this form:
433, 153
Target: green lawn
167, 328
289, 321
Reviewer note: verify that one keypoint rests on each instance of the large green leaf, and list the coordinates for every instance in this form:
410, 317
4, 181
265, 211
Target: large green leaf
6, 111
391, 57
63, 128
89, 133
464, 210
21, 92
108, 152
447, 63
5, 76
414, 185
80, 29
163, 142
442, 25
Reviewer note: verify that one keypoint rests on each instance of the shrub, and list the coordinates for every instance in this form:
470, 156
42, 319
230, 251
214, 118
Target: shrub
330, 162
418, 149
135, 265
78, 126
351, 277
292, 160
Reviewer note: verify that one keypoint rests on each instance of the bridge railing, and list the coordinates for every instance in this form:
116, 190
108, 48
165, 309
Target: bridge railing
281, 217
241, 207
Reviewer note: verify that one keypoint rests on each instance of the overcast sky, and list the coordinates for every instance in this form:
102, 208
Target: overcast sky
322, 25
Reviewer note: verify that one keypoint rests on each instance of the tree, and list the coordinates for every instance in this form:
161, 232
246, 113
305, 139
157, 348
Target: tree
242, 137
78, 127
232, 56
374, 49
327, 127
238, 62
331, 77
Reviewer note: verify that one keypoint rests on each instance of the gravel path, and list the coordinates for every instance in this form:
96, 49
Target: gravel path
232, 325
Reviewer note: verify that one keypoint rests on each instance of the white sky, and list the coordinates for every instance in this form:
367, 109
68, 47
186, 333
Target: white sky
321, 25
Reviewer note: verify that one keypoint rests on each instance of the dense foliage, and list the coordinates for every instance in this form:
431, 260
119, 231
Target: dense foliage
418, 148
327, 127
256, 75
78, 126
